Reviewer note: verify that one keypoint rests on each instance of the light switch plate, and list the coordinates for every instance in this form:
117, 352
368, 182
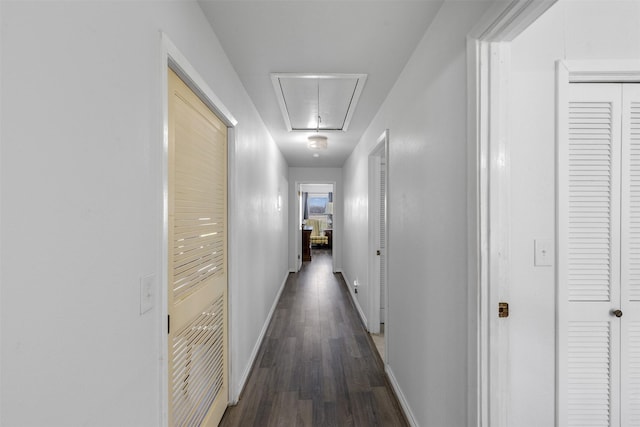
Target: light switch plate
147, 288
543, 252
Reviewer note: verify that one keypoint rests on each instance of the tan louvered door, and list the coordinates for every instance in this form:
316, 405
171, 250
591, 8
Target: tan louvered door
197, 236
630, 304
589, 258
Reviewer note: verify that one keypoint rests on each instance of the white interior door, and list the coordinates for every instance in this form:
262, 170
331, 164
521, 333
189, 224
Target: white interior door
599, 257
630, 274
382, 235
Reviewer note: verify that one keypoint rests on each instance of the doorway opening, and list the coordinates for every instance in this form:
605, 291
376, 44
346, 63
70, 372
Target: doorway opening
316, 218
195, 264
378, 184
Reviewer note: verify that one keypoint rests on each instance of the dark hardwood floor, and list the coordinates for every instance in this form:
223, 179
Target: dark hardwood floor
317, 365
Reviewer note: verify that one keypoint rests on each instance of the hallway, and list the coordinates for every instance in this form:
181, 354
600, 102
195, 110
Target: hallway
317, 366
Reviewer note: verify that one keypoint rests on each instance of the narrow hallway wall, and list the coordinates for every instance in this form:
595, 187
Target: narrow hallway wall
81, 187
425, 113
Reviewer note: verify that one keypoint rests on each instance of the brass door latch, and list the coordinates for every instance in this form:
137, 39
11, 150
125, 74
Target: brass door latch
503, 309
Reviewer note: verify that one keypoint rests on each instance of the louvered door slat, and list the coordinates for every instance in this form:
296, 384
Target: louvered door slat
197, 296
199, 193
589, 257
590, 185
198, 360
588, 374
631, 374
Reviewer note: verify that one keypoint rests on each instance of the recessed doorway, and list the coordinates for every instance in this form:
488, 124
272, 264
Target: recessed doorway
316, 218
378, 184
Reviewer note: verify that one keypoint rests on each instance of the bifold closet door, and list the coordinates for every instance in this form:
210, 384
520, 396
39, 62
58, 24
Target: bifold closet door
599, 257
589, 257
197, 252
382, 237
630, 276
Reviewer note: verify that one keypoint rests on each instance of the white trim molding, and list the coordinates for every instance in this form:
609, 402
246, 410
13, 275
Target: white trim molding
488, 49
506, 19
356, 303
183, 68
609, 71
171, 57
401, 397
234, 398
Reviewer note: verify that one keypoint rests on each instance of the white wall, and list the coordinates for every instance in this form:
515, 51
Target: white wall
315, 175
427, 322
317, 188
81, 176
577, 30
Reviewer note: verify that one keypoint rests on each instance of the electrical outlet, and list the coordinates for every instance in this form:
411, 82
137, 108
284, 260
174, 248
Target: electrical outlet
147, 288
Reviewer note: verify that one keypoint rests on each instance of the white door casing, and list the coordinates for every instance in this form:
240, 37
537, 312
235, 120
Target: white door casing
378, 233
488, 178
172, 59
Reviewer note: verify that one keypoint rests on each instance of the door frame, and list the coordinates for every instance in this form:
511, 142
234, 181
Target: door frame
488, 50
172, 57
379, 150
299, 221
488, 177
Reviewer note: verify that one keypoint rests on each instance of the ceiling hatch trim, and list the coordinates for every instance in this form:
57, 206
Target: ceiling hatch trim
303, 97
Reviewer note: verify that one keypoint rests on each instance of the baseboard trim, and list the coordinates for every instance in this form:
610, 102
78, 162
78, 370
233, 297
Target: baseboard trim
401, 397
363, 318
254, 353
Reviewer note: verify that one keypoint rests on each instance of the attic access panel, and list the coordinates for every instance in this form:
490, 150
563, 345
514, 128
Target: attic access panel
299, 96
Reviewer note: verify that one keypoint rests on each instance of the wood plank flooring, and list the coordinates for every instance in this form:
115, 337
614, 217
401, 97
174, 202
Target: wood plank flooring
317, 365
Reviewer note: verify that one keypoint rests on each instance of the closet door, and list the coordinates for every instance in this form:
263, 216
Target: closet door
197, 259
630, 291
382, 238
589, 155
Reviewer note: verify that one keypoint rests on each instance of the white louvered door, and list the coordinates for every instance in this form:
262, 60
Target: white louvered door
598, 258
383, 243
630, 291
197, 236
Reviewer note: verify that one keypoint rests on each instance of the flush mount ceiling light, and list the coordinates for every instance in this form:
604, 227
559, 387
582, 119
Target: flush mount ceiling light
317, 142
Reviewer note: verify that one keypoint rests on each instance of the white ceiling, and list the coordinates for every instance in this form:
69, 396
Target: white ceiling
375, 38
